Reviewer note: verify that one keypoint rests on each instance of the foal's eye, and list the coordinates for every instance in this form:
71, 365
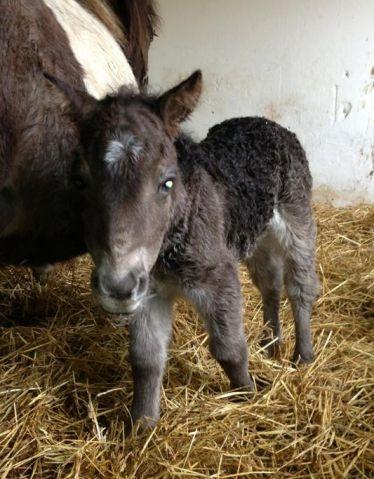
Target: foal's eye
166, 186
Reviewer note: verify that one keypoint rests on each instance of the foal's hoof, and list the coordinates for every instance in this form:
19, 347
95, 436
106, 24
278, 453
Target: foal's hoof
243, 393
140, 426
305, 357
272, 349
42, 274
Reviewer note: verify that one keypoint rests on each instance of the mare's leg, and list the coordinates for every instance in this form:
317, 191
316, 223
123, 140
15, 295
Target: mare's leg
218, 299
150, 331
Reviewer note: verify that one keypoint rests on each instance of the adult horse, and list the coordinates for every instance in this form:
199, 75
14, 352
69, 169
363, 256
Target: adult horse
95, 46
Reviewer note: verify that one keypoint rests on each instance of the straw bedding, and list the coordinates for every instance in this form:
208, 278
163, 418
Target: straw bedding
65, 382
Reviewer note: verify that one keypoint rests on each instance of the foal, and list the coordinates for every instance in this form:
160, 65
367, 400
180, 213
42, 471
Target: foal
165, 216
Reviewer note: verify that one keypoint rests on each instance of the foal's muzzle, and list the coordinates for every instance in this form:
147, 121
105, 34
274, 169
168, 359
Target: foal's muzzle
121, 295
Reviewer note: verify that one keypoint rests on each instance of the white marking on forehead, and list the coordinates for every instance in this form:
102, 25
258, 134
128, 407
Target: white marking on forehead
114, 151
105, 66
118, 149
132, 145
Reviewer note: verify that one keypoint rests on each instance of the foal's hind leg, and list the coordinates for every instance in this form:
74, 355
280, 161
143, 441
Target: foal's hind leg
300, 278
266, 269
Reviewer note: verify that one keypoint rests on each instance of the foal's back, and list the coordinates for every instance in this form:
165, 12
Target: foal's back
261, 166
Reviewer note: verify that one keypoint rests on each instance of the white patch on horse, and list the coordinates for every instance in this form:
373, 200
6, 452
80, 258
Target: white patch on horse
105, 66
128, 146
131, 145
280, 228
114, 152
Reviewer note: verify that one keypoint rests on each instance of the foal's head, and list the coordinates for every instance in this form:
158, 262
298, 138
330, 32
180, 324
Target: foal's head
130, 184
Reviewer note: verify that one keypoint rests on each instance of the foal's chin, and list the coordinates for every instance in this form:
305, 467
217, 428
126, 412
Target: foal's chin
118, 307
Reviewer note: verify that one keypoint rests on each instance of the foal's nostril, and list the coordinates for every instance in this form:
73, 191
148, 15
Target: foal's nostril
142, 284
120, 294
124, 288
120, 289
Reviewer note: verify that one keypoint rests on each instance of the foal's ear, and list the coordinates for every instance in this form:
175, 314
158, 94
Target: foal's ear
177, 104
83, 105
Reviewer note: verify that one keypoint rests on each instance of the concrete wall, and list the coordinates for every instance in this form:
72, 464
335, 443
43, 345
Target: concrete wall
308, 64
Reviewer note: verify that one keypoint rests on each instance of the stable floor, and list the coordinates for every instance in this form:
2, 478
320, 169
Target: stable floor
65, 383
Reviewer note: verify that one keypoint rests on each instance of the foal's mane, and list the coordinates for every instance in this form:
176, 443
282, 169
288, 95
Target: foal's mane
133, 23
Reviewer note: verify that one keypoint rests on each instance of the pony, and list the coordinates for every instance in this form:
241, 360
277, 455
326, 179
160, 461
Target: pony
165, 216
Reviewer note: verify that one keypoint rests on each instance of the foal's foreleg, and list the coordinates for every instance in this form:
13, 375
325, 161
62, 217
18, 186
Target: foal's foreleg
218, 300
150, 332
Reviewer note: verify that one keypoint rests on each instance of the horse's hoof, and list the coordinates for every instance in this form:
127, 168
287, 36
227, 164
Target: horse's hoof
42, 274
272, 349
243, 393
305, 357
140, 426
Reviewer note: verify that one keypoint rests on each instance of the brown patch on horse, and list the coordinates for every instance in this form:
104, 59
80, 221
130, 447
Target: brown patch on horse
32, 42
38, 137
133, 23
106, 15
140, 22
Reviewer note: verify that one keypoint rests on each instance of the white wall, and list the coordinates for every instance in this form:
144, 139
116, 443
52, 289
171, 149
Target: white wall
308, 64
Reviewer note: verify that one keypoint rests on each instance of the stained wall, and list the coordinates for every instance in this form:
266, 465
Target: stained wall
307, 64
